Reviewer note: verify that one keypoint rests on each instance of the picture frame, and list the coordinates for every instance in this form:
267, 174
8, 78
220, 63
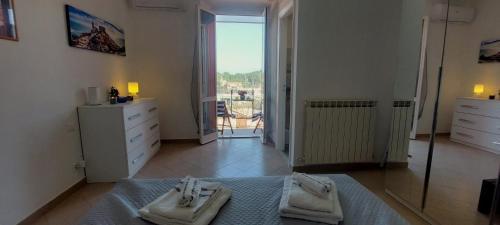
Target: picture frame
8, 22
490, 51
86, 31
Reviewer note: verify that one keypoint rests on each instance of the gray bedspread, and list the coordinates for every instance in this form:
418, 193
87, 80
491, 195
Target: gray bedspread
254, 201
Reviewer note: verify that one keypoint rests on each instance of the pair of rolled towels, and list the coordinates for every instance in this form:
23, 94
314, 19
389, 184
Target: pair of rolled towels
191, 202
190, 190
312, 198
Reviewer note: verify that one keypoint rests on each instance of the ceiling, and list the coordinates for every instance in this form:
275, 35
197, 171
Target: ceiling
238, 7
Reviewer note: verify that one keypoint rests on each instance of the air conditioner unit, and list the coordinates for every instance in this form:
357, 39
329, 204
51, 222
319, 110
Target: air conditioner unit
456, 14
171, 5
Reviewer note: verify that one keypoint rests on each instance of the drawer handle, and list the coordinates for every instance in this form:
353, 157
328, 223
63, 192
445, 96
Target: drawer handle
496, 143
465, 135
134, 116
153, 127
155, 143
138, 157
466, 121
152, 109
132, 140
469, 107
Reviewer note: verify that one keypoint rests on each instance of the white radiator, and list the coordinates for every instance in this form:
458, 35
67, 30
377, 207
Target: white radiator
339, 131
401, 126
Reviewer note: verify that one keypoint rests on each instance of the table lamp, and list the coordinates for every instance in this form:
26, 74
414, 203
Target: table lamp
133, 90
478, 90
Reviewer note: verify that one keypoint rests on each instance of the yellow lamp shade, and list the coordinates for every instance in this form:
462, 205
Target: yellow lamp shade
478, 89
133, 88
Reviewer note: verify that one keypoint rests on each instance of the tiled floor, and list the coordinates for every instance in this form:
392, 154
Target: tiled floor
224, 158
241, 133
455, 180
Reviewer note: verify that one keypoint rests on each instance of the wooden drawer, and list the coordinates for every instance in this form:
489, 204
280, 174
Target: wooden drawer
119, 139
154, 144
479, 107
137, 159
480, 123
151, 110
133, 116
485, 140
142, 132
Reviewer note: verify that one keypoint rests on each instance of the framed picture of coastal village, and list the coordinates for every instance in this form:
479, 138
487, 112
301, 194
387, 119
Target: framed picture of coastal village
86, 31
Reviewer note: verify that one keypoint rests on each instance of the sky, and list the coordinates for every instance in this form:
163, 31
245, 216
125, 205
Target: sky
239, 47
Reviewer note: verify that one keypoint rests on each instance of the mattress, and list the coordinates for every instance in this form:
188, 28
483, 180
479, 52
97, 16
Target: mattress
254, 201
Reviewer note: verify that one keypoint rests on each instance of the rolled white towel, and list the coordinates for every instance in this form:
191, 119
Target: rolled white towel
300, 198
166, 206
287, 210
164, 210
319, 186
189, 190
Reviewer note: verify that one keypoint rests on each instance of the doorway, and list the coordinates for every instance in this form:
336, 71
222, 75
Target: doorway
240, 42
286, 62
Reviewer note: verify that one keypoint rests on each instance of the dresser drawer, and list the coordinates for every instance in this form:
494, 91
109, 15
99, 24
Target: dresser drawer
486, 140
480, 123
479, 107
151, 110
492, 142
134, 116
137, 159
141, 132
154, 144
136, 136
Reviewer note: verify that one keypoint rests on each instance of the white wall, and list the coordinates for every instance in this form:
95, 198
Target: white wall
42, 81
462, 69
161, 47
342, 54
463, 51
412, 13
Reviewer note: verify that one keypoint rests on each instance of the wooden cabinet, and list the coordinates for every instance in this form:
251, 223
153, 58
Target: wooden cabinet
119, 139
476, 122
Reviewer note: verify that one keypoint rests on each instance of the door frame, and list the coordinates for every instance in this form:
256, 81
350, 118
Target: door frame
204, 139
421, 72
287, 11
265, 74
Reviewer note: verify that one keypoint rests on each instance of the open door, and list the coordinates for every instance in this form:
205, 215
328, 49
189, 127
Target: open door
421, 90
263, 135
207, 76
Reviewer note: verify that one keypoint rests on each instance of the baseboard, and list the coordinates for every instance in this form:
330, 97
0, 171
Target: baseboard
335, 168
396, 165
51, 204
422, 136
179, 141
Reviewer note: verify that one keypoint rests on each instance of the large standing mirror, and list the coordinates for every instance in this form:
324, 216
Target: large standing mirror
443, 162
420, 51
466, 158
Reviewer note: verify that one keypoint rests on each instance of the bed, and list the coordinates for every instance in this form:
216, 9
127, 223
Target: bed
254, 201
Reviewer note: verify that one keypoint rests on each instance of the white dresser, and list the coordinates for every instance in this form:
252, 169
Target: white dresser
476, 122
119, 139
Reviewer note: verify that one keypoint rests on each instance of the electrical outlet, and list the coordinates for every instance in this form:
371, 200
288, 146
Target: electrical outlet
80, 164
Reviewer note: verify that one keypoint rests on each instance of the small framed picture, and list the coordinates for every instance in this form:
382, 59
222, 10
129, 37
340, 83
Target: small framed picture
490, 51
8, 28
